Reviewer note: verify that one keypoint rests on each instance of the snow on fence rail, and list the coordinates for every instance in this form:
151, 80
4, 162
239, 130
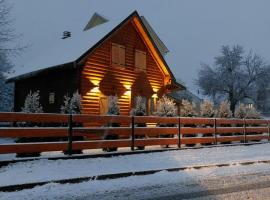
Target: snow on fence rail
156, 131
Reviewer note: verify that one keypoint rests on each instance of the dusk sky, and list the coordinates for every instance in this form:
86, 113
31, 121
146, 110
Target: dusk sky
193, 30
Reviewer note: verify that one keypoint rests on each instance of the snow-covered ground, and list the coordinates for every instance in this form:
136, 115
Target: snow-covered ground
155, 186
46, 170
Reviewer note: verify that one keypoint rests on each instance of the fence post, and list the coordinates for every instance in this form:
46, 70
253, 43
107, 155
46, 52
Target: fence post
245, 131
268, 125
70, 133
132, 133
179, 132
215, 130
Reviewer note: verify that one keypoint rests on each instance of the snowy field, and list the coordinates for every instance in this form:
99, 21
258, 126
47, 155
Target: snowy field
46, 170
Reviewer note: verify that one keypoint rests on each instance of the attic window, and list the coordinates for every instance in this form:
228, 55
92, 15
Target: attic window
140, 60
118, 54
51, 97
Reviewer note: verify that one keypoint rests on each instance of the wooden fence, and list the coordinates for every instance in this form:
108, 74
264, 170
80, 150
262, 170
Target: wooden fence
182, 131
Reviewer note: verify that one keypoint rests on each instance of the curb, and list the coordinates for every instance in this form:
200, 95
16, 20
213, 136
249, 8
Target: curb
18, 187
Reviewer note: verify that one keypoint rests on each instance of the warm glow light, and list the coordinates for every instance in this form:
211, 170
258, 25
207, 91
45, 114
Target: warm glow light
95, 89
127, 93
155, 96
95, 82
127, 86
155, 90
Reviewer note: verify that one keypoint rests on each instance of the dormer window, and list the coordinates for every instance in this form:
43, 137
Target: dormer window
118, 54
140, 60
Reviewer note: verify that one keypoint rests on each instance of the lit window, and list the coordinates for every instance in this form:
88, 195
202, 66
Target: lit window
51, 97
140, 60
118, 54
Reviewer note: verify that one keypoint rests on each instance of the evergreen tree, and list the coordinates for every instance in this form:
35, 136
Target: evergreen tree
31, 103
224, 110
140, 109
188, 109
207, 109
166, 107
72, 105
113, 106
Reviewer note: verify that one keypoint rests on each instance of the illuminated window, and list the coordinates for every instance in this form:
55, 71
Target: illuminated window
250, 105
51, 97
118, 54
140, 60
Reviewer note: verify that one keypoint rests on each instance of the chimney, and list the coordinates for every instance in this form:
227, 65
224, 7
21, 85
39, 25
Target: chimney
66, 34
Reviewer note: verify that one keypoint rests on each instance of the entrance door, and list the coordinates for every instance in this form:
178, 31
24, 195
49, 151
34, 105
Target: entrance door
103, 105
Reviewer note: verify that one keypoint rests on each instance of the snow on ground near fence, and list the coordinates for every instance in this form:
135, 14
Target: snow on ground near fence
46, 170
141, 187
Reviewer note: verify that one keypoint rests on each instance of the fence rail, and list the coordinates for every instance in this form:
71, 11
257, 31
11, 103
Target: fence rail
130, 131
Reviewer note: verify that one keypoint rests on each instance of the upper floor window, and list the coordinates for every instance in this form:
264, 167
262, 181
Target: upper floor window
118, 54
140, 59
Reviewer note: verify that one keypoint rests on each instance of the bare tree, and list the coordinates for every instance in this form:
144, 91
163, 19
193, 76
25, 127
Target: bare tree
234, 76
7, 49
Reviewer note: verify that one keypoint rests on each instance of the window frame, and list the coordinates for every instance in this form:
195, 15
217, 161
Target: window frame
120, 50
51, 97
137, 65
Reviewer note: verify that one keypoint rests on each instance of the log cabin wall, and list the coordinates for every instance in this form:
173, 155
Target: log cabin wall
101, 78
58, 81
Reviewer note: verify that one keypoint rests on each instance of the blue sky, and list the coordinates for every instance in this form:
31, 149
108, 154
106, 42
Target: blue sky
193, 30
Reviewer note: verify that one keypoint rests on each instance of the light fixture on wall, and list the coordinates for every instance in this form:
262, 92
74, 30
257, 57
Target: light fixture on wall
155, 96
128, 92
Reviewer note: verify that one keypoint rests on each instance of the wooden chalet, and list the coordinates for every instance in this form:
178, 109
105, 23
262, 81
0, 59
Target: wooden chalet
122, 58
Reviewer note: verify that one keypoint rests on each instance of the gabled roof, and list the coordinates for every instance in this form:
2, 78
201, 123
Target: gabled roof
77, 47
160, 45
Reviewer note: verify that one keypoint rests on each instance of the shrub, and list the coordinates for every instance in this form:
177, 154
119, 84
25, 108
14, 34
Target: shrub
224, 110
139, 110
72, 105
113, 109
166, 108
32, 104
188, 109
207, 109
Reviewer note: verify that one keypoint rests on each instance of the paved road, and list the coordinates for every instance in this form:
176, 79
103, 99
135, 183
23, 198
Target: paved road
248, 186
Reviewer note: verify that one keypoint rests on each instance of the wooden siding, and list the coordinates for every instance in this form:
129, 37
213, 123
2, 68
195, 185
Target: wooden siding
99, 76
59, 81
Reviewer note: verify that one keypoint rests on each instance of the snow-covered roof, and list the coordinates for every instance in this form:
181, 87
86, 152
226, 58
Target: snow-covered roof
64, 51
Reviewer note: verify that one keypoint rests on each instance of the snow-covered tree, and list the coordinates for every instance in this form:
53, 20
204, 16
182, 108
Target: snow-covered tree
207, 109
140, 109
224, 110
188, 109
240, 111
8, 50
113, 108
252, 113
166, 107
235, 76
32, 104
72, 104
